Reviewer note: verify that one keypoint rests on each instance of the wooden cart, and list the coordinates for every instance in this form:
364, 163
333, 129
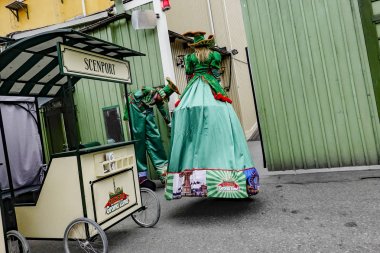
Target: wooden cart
84, 191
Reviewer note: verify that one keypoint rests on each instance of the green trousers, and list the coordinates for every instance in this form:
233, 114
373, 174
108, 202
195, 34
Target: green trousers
148, 139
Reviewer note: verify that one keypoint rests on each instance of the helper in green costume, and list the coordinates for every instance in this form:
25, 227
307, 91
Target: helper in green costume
209, 153
145, 129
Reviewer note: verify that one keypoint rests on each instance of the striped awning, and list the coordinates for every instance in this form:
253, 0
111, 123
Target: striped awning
29, 67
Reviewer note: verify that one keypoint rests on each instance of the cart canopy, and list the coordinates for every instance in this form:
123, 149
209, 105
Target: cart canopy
30, 66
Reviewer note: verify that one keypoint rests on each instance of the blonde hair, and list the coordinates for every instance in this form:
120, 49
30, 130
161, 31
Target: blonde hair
202, 53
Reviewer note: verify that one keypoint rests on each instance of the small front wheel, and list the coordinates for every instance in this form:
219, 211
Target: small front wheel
85, 235
16, 242
150, 212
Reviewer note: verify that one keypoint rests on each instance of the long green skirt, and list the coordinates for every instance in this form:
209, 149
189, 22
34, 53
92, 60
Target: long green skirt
209, 154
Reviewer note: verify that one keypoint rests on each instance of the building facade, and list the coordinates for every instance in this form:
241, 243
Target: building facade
31, 14
224, 19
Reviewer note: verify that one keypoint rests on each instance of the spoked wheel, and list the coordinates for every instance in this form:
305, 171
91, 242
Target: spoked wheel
150, 212
16, 242
85, 235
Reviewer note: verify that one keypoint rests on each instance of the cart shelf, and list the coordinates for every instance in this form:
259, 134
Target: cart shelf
113, 166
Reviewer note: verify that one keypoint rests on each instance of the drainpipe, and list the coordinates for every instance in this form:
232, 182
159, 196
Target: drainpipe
119, 6
165, 49
84, 8
210, 16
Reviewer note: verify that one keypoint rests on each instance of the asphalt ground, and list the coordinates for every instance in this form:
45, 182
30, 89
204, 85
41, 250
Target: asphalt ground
325, 212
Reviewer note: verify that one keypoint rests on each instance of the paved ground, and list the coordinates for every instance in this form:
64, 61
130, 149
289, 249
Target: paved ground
330, 212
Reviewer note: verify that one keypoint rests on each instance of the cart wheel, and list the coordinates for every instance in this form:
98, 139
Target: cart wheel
79, 239
16, 242
150, 212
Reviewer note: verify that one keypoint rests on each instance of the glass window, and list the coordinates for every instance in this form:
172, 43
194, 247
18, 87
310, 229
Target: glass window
112, 120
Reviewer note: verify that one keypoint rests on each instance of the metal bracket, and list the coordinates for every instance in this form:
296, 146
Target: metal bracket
16, 6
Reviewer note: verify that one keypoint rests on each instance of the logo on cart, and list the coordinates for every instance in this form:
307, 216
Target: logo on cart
228, 186
117, 199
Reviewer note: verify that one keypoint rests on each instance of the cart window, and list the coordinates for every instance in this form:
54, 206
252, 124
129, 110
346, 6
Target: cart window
113, 125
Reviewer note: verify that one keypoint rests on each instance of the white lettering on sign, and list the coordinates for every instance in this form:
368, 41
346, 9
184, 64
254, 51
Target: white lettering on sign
116, 206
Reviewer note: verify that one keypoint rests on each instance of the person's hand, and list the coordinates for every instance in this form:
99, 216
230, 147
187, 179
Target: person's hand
170, 125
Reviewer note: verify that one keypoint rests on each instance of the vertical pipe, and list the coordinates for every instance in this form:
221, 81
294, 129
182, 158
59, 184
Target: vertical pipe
84, 8
69, 105
129, 111
210, 17
40, 130
254, 101
119, 6
165, 49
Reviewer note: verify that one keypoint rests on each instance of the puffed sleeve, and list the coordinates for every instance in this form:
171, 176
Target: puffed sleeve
216, 60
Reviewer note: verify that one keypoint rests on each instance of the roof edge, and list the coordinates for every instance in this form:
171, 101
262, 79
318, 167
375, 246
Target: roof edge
105, 22
84, 20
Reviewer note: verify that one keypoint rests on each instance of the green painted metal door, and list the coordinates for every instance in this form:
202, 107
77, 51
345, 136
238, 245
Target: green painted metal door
313, 84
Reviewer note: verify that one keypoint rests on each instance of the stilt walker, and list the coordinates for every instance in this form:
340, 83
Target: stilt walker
145, 129
209, 153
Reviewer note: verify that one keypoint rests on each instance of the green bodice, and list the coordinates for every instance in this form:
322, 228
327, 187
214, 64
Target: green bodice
208, 70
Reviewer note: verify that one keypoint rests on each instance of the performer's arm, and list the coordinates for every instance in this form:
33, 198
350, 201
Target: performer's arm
128, 100
161, 107
126, 116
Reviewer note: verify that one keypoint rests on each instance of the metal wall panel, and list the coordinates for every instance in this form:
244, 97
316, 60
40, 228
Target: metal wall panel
376, 13
376, 7
178, 17
313, 84
178, 52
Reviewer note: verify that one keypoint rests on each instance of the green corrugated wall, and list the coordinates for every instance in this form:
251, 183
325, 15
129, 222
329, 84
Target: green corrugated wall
313, 83
371, 24
92, 95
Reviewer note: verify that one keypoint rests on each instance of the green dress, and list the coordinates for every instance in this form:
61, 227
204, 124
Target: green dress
209, 153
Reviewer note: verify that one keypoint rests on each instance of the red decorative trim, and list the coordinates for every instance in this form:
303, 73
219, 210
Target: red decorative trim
222, 98
189, 77
241, 170
177, 102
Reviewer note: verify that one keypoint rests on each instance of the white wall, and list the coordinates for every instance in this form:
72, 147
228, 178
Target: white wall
225, 18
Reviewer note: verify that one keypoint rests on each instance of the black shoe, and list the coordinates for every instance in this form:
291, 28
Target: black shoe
148, 184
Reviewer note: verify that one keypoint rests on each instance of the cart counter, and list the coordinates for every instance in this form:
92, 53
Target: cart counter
100, 183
